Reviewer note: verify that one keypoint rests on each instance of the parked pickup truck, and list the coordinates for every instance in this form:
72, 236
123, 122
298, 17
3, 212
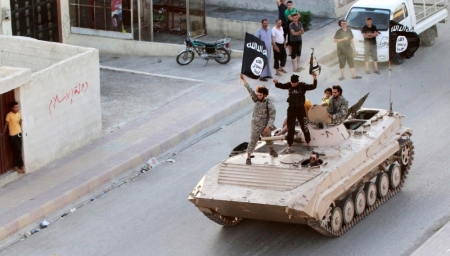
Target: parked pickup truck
420, 15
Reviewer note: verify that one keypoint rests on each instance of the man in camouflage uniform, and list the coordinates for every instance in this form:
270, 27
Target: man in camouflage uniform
262, 120
338, 108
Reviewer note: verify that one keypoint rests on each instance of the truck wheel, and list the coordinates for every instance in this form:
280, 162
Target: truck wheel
398, 60
430, 37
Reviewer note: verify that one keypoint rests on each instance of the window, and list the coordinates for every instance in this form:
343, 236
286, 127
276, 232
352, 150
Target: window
356, 18
400, 13
109, 15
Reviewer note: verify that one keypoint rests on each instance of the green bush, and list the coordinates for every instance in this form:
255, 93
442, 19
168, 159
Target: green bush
305, 19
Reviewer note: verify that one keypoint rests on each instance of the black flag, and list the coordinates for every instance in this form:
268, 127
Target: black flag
254, 59
402, 41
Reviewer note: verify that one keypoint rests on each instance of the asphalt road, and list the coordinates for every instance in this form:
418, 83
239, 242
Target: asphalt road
151, 216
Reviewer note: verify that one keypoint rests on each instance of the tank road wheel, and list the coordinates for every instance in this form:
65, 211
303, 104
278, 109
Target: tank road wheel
371, 193
405, 153
336, 219
223, 220
348, 208
359, 197
382, 184
395, 175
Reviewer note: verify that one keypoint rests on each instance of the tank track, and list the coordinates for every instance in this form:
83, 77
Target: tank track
326, 229
223, 220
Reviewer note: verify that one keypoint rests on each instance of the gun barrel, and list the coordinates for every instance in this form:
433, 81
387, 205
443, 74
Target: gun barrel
280, 137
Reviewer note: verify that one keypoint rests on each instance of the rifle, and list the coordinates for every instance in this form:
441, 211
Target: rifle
312, 68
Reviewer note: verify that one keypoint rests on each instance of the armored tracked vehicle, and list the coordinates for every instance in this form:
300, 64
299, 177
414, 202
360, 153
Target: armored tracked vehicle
363, 163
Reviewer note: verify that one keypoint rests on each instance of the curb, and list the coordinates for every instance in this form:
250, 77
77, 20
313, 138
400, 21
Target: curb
418, 252
148, 74
134, 161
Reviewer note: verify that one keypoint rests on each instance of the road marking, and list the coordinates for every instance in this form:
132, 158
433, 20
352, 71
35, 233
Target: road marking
149, 74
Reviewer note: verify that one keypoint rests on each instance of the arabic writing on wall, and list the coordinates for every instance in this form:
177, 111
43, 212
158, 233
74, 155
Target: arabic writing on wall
68, 96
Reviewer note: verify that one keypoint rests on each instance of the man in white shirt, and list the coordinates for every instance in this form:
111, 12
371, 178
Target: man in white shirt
279, 45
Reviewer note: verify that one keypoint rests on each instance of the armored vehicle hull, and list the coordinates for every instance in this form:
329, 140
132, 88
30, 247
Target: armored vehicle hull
363, 163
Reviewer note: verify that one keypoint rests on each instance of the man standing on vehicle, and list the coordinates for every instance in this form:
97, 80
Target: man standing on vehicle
265, 34
296, 109
345, 49
338, 108
370, 32
262, 120
296, 30
279, 52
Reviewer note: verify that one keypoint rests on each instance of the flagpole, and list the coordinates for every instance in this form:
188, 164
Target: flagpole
389, 66
390, 90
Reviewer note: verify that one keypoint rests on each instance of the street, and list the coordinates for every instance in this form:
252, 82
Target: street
152, 216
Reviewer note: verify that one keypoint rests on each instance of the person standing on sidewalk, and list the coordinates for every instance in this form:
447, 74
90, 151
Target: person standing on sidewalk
345, 49
296, 109
279, 52
296, 30
265, 34
262, 120
370, 32
14, 125
288, 15
282, 7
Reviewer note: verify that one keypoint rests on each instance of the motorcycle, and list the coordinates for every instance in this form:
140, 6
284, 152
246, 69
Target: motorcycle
218, 50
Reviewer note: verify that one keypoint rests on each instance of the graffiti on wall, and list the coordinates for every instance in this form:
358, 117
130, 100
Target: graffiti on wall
68, 96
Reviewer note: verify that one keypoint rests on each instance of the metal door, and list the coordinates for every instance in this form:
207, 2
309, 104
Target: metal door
35, 18
6, 163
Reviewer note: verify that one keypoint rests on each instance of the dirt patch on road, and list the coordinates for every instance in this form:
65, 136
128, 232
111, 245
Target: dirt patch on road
126, 96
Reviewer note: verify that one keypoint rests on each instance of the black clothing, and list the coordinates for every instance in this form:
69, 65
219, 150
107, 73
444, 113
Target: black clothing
372, 29
281, 9
345, 45
279, 57
296, 47
296, 109
344, 48
297, 94
16, 144
300, 115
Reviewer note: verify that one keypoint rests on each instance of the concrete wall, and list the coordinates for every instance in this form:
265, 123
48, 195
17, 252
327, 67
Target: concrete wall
230, 28
61, 104
25, 52
130, 47
319, 8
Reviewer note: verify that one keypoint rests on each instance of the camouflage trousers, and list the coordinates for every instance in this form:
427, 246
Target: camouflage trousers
256, 131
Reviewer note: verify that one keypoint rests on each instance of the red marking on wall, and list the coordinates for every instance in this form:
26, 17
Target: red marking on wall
68, 96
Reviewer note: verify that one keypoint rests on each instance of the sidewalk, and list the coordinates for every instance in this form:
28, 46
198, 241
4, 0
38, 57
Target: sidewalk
438, 244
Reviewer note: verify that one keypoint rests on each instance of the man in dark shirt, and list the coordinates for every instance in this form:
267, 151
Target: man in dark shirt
345, 48
296, 31
296, 109
370, 32
282, 6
